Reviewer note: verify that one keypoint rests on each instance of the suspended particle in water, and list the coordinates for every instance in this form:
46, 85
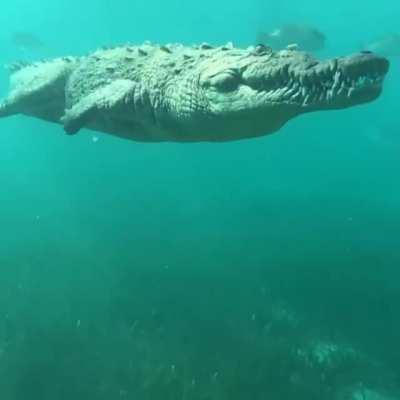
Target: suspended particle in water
215, 376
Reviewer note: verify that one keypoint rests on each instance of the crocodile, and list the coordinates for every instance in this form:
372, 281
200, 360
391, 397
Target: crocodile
178, 93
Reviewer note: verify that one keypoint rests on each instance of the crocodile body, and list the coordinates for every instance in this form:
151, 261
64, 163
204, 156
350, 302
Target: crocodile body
178, 93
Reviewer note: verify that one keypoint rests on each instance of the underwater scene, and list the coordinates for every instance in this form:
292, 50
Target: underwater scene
200, 200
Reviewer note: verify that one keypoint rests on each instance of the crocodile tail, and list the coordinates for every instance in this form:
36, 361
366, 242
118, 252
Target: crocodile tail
6, 110
6, 106
3, 110
36, 86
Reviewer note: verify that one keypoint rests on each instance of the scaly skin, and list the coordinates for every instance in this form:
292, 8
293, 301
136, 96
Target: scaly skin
176, 93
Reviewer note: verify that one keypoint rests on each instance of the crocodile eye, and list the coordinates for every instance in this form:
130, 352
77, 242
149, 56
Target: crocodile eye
225, 82
261, 50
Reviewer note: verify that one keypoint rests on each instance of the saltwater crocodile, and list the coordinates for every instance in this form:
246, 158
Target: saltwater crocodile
178, 93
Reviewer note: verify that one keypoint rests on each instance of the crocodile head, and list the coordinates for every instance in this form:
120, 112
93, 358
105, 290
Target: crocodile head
255, 92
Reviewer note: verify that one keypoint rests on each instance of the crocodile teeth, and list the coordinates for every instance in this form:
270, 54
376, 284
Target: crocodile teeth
296, 96
336, 80
333, 65
290, 91
319, 86
351, 90
306, 100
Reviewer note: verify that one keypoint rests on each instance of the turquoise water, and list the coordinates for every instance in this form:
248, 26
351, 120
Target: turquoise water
261, 269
